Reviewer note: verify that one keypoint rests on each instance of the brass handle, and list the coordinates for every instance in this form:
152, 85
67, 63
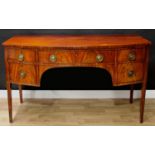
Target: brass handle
99, 58
21, 57
22, 74
131, 73
132, 57
53, 58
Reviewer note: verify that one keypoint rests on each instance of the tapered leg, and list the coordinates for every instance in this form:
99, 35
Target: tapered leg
143, 92
9, 101
20, 93
131, 93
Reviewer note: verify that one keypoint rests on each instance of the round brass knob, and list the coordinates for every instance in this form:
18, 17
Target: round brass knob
99, 58
53, 58
22, 74
131, 73
132, 57
21, 57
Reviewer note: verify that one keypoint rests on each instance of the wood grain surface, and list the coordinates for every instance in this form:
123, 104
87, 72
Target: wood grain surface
124, 57
49, 112
77, 41
124, 69
29, 70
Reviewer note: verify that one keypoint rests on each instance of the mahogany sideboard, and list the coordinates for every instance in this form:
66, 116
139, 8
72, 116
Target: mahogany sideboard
125, 57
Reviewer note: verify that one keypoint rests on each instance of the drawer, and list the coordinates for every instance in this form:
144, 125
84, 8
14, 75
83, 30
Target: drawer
56, 56
131, 55
21, 55
94, 56
131, 72
22, 74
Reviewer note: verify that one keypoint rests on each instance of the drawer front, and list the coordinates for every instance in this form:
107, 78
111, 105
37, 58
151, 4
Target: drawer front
56, 56
21, 55
22, 74
98, 56
131, 55
131, 72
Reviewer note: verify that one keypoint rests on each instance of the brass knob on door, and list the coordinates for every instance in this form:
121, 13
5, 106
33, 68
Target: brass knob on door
21, 57
99, 58
22, 74
132, 57
53, 58
131, 73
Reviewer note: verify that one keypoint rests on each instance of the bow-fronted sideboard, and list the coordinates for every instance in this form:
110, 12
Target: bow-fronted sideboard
125, 57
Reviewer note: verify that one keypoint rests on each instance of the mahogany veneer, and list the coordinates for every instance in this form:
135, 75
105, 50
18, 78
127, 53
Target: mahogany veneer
125, 57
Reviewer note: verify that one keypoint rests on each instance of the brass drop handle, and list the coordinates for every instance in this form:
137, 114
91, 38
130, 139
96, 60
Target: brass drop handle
99, 58
132, 57
131, 73
21, 57
22, 74
53, 58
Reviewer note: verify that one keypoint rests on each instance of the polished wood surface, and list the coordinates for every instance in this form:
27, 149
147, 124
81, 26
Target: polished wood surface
89, 57
131, 93
62, 56
28, 53
125, 57
124, 69
144, 83
20, 94
76, 41
17, 69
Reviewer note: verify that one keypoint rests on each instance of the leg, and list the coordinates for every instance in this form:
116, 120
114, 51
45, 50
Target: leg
20, 93
9, 101
143, 92
131, 93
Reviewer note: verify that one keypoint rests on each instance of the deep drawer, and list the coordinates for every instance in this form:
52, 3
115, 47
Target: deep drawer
131, 72
22, 74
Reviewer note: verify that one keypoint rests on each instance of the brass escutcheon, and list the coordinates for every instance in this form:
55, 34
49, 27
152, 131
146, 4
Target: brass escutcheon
131, 73
22, 74
21, 57
99, 58
53, 58
132, 57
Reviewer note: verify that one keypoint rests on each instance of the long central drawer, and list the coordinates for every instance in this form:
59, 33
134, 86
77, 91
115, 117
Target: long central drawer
76, 56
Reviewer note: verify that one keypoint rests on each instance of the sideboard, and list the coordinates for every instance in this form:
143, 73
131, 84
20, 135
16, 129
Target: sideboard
124, 57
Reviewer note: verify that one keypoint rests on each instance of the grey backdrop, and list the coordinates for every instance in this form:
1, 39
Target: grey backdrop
79, 78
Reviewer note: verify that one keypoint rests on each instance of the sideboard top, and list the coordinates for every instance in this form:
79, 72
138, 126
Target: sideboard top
75, 41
